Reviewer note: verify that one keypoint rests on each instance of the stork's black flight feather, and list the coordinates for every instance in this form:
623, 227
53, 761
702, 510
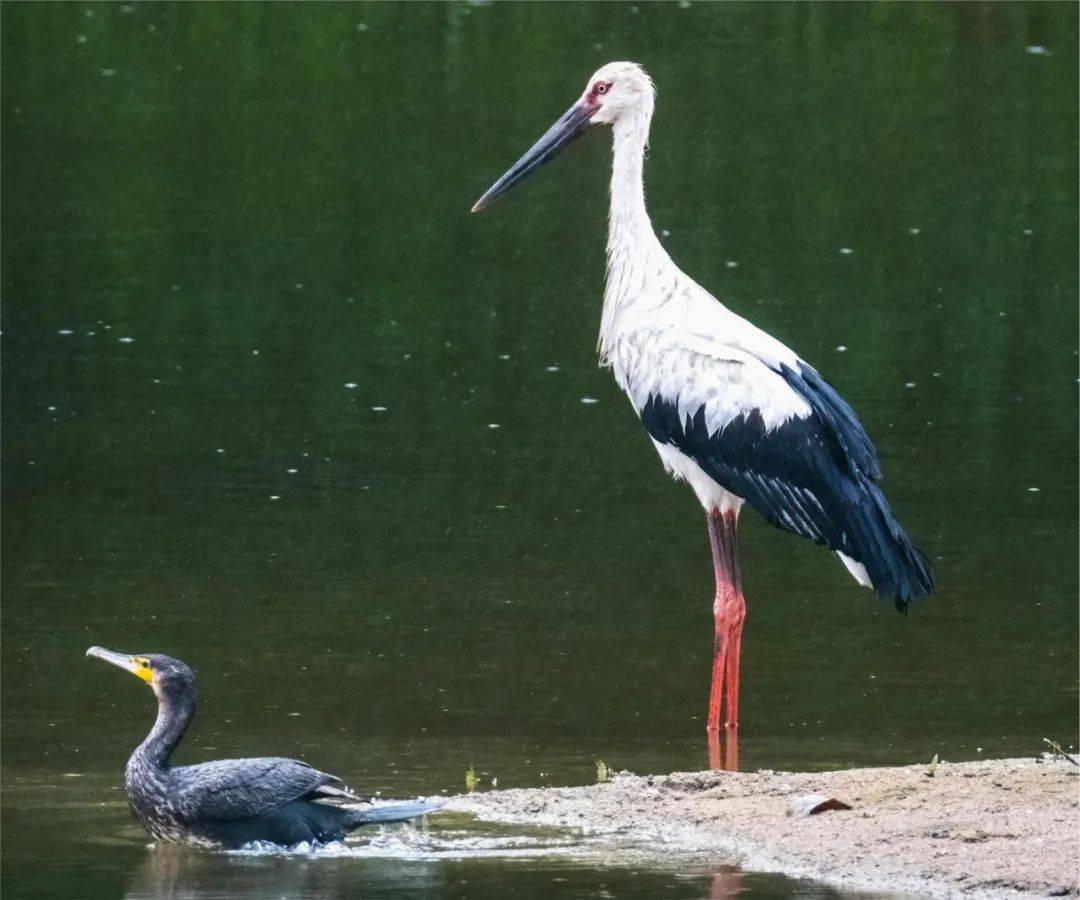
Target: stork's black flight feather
815, 476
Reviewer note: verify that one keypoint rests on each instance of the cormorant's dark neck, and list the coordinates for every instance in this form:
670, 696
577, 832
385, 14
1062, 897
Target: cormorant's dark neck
174, 714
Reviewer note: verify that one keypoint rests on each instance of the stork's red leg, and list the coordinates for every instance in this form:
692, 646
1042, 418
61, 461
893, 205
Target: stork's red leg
729, 611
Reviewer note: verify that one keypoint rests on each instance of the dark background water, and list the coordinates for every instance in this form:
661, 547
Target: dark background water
253, 221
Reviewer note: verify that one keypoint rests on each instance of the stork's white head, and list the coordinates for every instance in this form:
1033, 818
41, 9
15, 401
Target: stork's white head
618, 92
619, 89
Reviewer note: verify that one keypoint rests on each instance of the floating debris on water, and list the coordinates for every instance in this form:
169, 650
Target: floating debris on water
378, 409
126, 340
292, 471
51, 408
493, 425
914, 230
1029, 231
504, 356
220, 449
847, 251
80, 39
1033, 490
841, 348
665, 233
909, 384
1037, 50
588, 401
108, 73
65, 331
361, 26
275, 496
731, 264
551, 368
351, 385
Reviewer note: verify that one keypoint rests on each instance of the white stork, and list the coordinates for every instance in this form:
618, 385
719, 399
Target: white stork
731, 411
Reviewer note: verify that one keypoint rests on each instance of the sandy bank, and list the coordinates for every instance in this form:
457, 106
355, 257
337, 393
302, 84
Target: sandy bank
1002, 828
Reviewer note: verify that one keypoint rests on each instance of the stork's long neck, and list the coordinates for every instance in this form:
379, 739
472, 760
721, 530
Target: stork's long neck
633, 249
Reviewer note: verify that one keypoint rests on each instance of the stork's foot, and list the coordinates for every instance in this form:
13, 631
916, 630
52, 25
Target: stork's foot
724, 749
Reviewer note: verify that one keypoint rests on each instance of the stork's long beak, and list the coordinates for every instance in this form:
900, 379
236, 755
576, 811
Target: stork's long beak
132, 663
572, 124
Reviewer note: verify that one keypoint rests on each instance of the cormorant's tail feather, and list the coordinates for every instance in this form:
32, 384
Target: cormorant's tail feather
898, 570
392, 812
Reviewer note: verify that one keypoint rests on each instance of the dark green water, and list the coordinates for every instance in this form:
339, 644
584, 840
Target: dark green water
253, 221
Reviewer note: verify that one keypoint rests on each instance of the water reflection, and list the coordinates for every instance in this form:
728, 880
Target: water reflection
181, 873
728, 882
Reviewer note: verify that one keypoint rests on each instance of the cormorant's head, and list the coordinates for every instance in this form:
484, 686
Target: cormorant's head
167, 676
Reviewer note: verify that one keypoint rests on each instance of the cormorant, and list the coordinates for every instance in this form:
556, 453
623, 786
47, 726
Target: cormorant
232, 802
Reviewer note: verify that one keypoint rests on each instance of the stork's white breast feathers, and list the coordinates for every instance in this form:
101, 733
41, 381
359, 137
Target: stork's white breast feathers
694, 372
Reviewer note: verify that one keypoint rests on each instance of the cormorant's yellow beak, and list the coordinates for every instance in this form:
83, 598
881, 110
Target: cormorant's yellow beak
136, 665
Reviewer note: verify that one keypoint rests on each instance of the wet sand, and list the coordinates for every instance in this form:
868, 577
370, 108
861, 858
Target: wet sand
996, 828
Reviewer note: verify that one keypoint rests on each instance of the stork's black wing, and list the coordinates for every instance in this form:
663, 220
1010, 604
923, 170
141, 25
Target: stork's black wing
241, 788
814, 475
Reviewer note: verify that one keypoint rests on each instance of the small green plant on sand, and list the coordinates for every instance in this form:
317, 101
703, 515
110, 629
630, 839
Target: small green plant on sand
603, 773
470, 780
932, 768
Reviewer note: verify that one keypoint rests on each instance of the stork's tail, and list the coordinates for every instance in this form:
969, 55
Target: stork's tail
896, 568
392, 812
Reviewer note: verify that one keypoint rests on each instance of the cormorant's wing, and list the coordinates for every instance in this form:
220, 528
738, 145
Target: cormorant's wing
241, 788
